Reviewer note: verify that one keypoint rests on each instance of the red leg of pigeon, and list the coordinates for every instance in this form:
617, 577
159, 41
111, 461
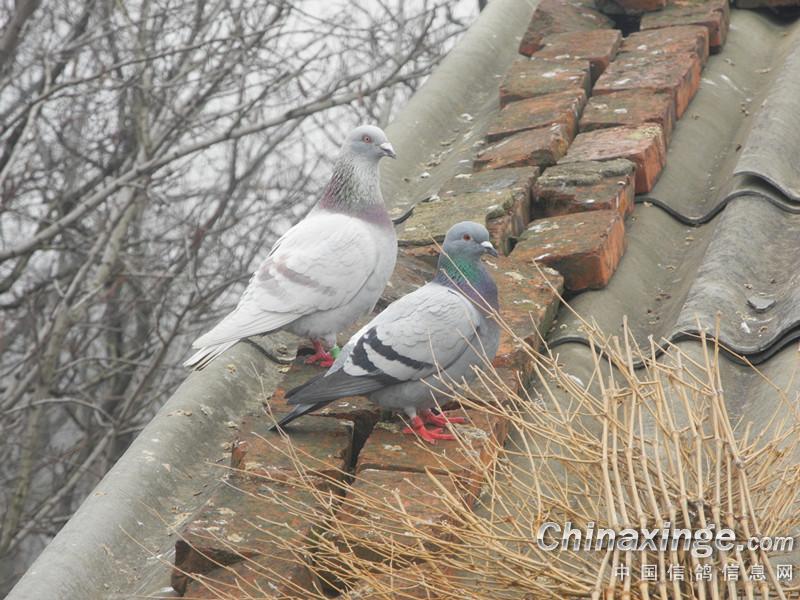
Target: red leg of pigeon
321, 356
441, 419
429, 435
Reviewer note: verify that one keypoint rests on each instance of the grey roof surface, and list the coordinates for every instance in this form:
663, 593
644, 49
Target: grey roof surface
737, 134
720, 232
772, 148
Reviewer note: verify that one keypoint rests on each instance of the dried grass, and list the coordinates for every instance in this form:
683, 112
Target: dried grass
630, 447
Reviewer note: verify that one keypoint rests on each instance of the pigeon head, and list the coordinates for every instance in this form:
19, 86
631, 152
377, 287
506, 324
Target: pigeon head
460, 264
354, 186
368, 142
467, 240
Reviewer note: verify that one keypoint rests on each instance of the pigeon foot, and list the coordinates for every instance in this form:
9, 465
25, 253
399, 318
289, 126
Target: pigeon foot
321, 356
441, 419
429, 435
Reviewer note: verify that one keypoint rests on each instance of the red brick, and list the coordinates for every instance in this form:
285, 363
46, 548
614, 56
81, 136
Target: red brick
380, 536
428, 253
518, 380
629, 7
676, 74
528, 304
599, 47
668, 41
714, 15
519, 180
643, 145
584, 247
767, 3
389, 449
563, 108
409, 583
629, 108
537, 147
516, 181
559, 16
582, 186
528, 78
260, 577
360, 412
226, 532
409, 274
321, 445
503, 228
505, 213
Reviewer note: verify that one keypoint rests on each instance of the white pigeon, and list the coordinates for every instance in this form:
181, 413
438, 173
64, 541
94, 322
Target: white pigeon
329, 269
406, 356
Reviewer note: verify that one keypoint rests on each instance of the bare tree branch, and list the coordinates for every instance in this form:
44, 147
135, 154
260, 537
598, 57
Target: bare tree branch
150, 152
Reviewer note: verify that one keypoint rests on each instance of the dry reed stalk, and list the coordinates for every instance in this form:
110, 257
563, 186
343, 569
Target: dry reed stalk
628, 448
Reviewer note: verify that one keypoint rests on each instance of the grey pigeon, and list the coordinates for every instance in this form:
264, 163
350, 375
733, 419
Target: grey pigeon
329, 269
405, 357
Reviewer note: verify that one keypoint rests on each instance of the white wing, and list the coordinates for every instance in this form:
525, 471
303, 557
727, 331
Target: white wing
319, 264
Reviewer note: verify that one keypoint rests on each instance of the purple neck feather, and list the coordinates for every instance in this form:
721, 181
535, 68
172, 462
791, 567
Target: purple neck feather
354, 189
471, 278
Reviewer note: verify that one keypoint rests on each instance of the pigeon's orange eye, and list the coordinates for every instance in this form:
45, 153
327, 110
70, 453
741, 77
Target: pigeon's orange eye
366, 139
467, 237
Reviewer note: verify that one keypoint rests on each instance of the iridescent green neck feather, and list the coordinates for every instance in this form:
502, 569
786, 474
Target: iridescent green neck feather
459, 269
470, 277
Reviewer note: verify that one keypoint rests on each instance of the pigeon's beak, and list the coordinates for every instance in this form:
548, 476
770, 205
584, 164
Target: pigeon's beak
388, 150
488, 248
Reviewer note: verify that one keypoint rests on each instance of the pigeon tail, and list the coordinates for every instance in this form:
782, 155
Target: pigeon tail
324, 389
332, 386
297, 412
201, 359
